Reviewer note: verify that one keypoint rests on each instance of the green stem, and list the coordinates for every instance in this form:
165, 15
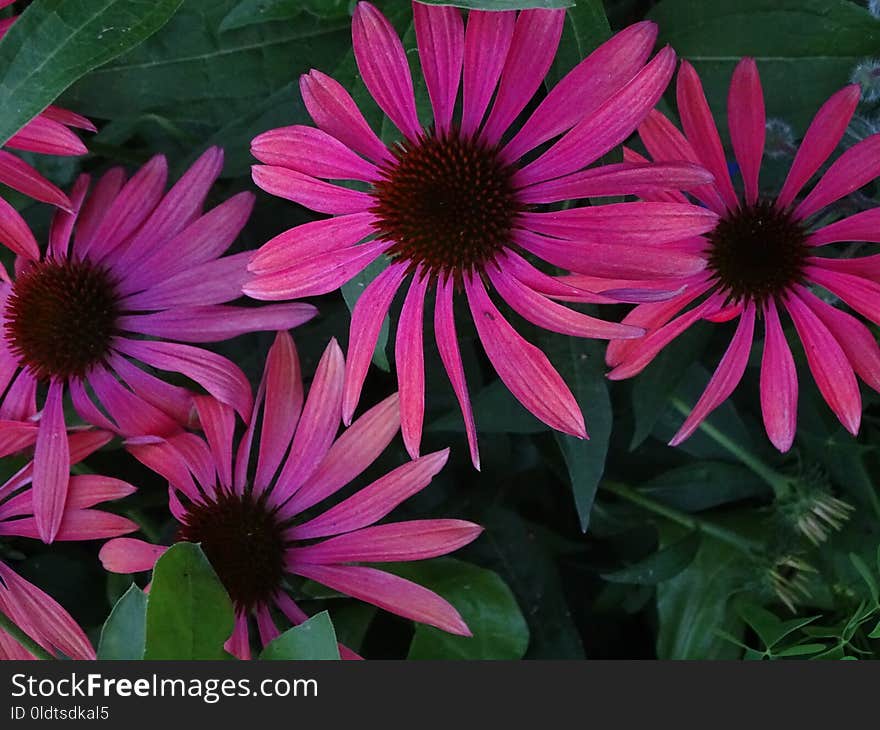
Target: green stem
7, 625
685, 520
779, 483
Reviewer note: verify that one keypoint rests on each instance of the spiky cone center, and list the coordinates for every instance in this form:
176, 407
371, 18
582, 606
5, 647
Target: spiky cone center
758, 253
243, 541
61, 317
447, 203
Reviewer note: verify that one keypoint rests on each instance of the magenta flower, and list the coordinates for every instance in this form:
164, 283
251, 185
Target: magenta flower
34, 612
763, 258
48, 134
129, 270
250, 521
456, 205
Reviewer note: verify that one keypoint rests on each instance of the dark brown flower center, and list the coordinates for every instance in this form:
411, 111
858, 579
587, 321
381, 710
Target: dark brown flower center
61, 317
448, 203
758, 252
244, 543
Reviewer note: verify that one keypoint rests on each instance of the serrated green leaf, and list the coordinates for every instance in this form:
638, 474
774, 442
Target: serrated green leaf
122, 636
660, 566
312, 639
189, 614
486, 604
56, 42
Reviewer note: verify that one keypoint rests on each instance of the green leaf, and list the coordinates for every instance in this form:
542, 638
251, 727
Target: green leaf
486, 604
586, 28
867, 576
801, 650
695, 604
189, 614
701, 485
875, 632
662, 565
55, 42
805, 49
351, 292
580, 363
312, 639
502, 4
123, 634
251, 12
495, 411
767, 626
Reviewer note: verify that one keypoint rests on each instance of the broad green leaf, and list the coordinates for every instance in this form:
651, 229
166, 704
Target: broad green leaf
867, 576
801, 650
189, 614
662, 565
252, 12
805, 49
701, 485
695, 604
312, 639
502, 4
486, 604
586, 28
123, 634
495, 411
767, 626
201, 79
55, 42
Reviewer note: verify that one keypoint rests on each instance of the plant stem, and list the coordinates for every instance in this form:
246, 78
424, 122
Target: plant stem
779, 483
7, 625
685, 520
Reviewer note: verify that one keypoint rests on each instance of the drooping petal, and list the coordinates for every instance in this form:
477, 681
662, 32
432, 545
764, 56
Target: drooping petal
308, 191
747, 120
45, 136
447, 346
366, 322
828, 363
88, 490
20, 176
134, 415
381, 59
96, 206
128, 555
861, 294
64, 219
863, 226
725, 378
825, 132
440, 38
218, 422
168, 398
779, 383
523, 368
51, 465
409, 359
15, 233
487, 40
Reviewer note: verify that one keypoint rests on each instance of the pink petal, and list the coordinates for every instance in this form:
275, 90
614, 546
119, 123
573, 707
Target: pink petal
856, 167
545, 313
239, 643
409, 358
366, 321
128, 555
487, 40
829, 365
607, 127
861, 294
87, 490
394, 542
15, 436
320, 274
47, 137
97, 205
825, 132
440, 38
586, 87
699, 126
64, 220
864, 226
375, 501
218, 422
266, 625
624, 178
747, 120
171, 399
523, 368
447, 346
312, 152
217, 323
92, 524
20, 176
308, 191
167, 461
135, 415
349, 456
779, 383
283, 405
390, 592
311, 239
214, 373
51, 465
20, 401
66, 117
334, 111
532, 49
725, 378
318, 424
382, 62
15, 234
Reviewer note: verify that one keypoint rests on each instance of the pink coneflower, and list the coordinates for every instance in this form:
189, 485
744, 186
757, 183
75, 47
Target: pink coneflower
456, 205
29, 608
762, 258
48, 134
130, 271
250, 521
